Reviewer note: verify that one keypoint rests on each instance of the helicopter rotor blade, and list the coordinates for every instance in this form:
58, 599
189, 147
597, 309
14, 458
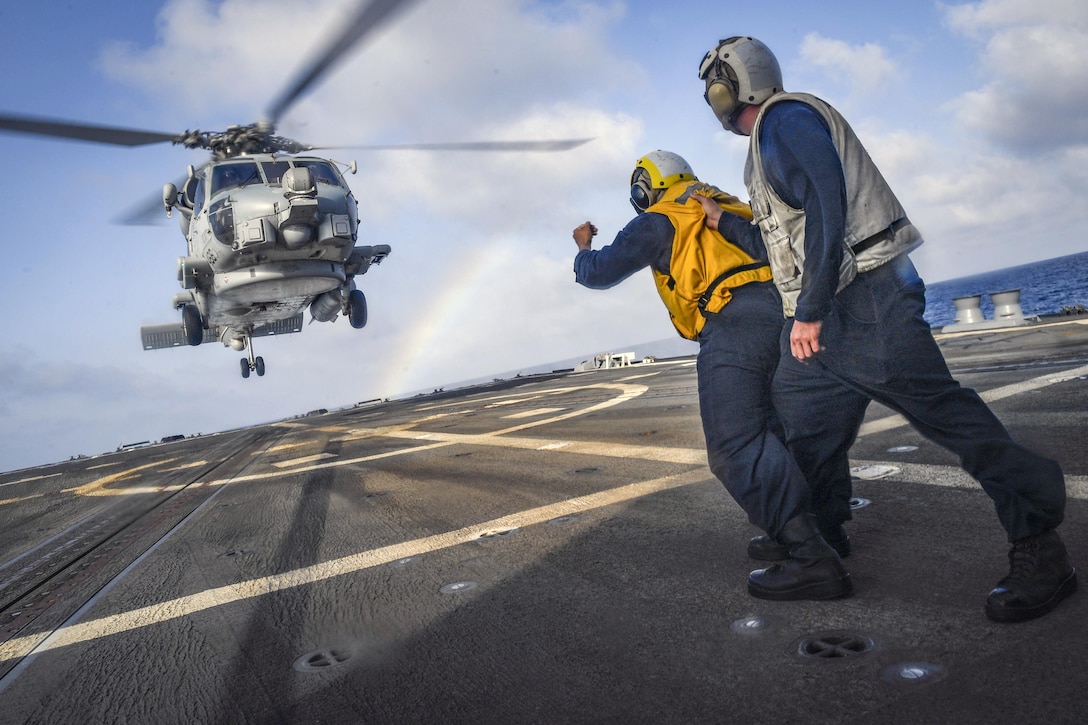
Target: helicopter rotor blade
82, 131
369, 17
149, 211
537, 146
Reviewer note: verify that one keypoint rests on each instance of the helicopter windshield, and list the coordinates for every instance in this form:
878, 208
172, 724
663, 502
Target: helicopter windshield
323, 172
274, 170
230, 176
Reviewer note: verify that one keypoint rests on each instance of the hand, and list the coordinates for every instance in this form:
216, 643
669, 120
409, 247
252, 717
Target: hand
583, 235
713, 211
805, 340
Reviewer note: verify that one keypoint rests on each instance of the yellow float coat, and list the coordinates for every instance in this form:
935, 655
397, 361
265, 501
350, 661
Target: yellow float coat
701, 257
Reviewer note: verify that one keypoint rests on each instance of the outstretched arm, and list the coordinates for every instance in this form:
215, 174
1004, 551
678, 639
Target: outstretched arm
645, 241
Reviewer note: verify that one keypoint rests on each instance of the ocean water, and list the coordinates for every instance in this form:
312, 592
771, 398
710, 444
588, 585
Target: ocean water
1045, 288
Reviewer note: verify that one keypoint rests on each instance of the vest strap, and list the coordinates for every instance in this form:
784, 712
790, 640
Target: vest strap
704, 299
882, 236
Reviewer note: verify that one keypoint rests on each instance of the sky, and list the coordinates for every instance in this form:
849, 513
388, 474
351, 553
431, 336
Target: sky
976, 113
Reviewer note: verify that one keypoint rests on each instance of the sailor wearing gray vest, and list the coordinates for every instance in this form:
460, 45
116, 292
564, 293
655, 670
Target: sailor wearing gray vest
838, 242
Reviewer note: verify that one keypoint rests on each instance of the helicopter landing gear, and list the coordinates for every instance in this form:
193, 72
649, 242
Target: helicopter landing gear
356, 309
191, 325
252, 363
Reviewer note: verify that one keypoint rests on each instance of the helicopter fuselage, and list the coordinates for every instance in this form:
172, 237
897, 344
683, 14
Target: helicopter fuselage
268, 236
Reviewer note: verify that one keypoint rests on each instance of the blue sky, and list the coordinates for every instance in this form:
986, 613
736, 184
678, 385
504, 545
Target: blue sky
975, 111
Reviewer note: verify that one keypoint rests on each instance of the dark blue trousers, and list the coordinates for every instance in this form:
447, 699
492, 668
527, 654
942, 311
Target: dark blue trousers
877, 346
738, 354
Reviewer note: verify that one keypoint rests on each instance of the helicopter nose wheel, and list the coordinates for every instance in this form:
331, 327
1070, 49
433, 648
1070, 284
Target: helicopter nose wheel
251, 363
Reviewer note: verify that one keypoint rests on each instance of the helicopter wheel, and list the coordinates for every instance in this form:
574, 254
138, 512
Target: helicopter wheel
357, 309
191, 325
258, 363
245, 368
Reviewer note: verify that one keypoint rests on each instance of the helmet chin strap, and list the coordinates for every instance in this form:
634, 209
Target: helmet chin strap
730, 123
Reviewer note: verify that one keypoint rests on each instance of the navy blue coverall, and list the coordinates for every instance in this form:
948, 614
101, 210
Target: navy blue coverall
738, 354
876, 346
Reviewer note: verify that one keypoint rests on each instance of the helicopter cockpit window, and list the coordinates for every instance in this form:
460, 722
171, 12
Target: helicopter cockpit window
230, 176
274, 170
323, 172
197, 199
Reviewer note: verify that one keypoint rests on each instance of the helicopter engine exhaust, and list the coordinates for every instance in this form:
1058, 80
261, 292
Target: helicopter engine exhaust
325, 307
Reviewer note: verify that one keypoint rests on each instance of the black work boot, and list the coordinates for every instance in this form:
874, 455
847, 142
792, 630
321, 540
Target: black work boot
1040, 576
764, 548
813, 570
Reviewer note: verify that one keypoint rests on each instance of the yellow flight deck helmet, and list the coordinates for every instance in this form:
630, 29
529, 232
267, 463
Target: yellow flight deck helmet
738, 72
655, 172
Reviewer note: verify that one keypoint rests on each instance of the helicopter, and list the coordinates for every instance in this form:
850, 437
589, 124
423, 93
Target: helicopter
271, 228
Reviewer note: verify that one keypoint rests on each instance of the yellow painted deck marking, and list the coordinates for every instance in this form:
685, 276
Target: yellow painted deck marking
533, 413
304, 460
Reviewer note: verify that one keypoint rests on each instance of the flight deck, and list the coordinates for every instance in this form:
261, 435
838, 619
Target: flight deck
551, 548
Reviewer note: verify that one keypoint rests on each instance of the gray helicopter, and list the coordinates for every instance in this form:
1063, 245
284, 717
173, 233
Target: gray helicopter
272, 230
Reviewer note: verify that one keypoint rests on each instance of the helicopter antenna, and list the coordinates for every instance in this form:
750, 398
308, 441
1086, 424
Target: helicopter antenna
369, 17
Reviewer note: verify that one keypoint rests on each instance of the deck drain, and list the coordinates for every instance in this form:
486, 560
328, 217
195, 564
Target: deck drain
834, 646
871, 473
858, 503
589, 469
902, 449
912, 673
561, 520
403, 562
232, 553
458, 587
749, 625
322, 659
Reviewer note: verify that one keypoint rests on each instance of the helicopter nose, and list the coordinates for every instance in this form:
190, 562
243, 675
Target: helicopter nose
295, 236
296, 221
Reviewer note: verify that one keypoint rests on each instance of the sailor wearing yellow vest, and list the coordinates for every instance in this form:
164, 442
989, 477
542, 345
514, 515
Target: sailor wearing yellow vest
720, 294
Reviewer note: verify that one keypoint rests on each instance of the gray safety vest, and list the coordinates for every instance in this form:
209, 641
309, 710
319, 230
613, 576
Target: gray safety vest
877, 228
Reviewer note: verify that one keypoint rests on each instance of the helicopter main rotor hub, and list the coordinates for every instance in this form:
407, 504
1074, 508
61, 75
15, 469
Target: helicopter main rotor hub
256, 138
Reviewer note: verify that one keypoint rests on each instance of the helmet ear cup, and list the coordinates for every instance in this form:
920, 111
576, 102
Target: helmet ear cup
641, 195
722, 98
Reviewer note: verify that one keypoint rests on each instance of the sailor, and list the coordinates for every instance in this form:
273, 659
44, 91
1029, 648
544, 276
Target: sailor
720, 294
838, 243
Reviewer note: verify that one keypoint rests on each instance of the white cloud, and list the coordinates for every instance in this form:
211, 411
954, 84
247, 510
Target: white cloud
416, 78
866, 67
980, 17
1034, 95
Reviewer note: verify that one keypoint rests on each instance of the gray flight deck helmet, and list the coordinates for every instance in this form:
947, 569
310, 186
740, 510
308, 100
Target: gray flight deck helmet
738, 72
654, 173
